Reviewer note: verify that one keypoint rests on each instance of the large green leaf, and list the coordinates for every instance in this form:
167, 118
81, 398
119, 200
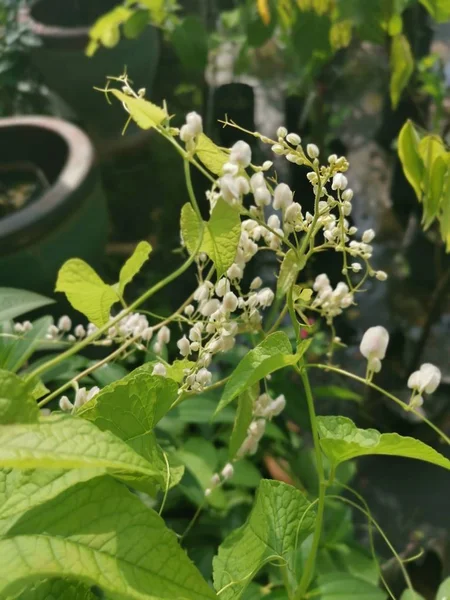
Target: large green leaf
220, 237
102, 534
22, 490
14, 352
272, 354
402, 67
130, 408
17, 404
280, 520
341, 440
14, 303
57, 589
443, 592
145, 113
65, 442
133, 264
343, 586
211, 155
408, 150
86, 291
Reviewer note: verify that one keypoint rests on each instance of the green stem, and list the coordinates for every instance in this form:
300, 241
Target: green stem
308, 571
397, 401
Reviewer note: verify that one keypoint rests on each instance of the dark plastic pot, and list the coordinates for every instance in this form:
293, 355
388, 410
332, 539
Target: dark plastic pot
68, 219
63, 30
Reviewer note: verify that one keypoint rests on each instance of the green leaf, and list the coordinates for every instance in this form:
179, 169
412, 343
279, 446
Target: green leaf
66, 442
343, 586
409, 595
444, 218
23, 490
443, 592
18, 350
402, 67
190, 42
102, 534
289, 270
176, 370
272, 354
438, 9
145, 113
200, 458
357, 562
14, 303
130, 409
341, 440
106, 29
408, 150
335, 391
17, 404
434, 190
244, 416
135, 25
220, 237
133, 264
86, 291
211, 155
57, 589
278, 523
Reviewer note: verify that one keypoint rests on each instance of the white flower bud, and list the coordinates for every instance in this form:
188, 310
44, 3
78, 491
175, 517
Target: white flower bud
282, 132
189, 310
208, 492
381, 275
230, 302
257, 180
18, 328
195, 123
215, 480
256, 283
159, 369
184, 346
278, 149
332, 159
235, 272
71, 338
278, 405
79, 331
426, 379
267, 164
262, 196
347, 208
147, 334
293, 212
356, 267
222, 287
282, 197
203, 377
209, 307
157, 348
27, 326
374, 343
65, 404
293, 139
230, 168
228, 471
241, 154
312, 150
203, 291
320, 282
257, 428
53, 331
416, 401
347, 195
339, 182
265, 297
368, 236
163, 335
65, 323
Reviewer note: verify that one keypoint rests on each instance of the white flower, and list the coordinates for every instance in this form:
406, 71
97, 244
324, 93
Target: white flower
82, 395
163, 335
356, 267
65, 323
282, 196
373, 346
235, 272
256, 283
282, 132
159, 369
278, 405
209, 307
262, 196
18, 328
293, 139
189, 310
381, 275
194, 121
184, 346
426, 379
222, 287
230, 168
203, 291
228, 471
65, 404
368, 236
265, 297
347, 195
312, 150
27, 326
79, 331
267, 164
339, 182
203, 377
241, 154
230, 302
278, 149
215, 480
320, 282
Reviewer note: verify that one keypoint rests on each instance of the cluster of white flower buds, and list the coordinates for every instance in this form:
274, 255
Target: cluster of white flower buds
81, 397
218, 479
331, 302
193, 127
424, 380
264, 409
22, 328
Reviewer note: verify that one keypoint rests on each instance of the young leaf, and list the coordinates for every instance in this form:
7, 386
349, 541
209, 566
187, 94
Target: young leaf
133, 264
402, 67
278, 523
53, 589
17, 351
443, 592
65, 442
23, 490
83, 535
211, 155
272, 354
409, 595
17, 404
145, 113
434, 190
408, 151
438, 9
289, 270
130, 408
86, 291
243, 419
176, 370
14, 303
341, 440
343, 586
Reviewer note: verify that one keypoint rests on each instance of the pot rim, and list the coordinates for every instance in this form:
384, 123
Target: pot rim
63, 196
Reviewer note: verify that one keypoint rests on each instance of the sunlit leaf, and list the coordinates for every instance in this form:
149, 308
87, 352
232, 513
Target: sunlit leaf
408, 150
145, 113
402, 67
133, 264
17, 404
211, 155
